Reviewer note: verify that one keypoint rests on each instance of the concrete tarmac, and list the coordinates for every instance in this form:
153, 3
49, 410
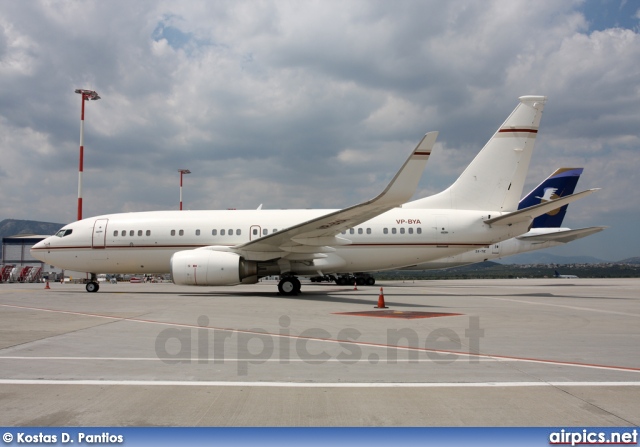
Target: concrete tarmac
521, 352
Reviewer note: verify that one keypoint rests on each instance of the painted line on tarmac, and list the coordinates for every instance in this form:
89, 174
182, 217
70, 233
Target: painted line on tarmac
427, 351
235, 360
315, 385
377, 361
564, 306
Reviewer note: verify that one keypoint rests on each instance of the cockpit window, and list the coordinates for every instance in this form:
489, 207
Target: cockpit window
63, 233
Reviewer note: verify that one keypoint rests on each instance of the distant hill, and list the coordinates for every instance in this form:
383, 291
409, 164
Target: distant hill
635, 260
13, 227
546, 258
478, 266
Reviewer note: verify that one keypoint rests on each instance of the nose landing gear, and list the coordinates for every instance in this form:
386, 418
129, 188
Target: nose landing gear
92, 286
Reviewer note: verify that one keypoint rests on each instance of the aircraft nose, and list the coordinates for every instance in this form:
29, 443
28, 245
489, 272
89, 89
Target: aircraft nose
39, 250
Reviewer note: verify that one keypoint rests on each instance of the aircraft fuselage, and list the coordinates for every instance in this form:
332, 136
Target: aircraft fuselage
144, 242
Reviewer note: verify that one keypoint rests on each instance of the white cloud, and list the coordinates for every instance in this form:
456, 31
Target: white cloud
300, 104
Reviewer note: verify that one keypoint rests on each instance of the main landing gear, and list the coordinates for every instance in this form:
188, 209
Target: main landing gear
92, 285
360, 279
289, 285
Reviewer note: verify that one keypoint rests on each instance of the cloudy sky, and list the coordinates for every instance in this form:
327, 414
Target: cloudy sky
311, 104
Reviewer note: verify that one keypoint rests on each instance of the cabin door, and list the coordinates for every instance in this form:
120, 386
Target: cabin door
99, 238
255, 232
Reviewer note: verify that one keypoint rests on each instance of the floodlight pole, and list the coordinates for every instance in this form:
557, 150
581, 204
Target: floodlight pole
86, 96
182, 171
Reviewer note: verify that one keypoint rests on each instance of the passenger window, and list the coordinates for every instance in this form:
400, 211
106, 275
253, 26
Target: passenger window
214, 232
385, 230
255, 232
410, 230
131, 233
197, 232
181, 232
401, 230
139, 232
352, 231
148, 232
115, 233
222, 233
359, 230
275, 230
393, 231
230, 232
265, 232
368, 230
419, 230
124, 233
238, 232
173, 232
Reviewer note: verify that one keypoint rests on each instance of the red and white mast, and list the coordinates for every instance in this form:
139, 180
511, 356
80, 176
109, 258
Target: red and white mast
86, 95
182, 171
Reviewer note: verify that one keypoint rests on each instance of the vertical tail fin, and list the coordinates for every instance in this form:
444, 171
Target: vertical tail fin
495, 178
559, 184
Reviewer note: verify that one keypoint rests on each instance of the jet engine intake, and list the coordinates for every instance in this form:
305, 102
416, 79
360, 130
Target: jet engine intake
212, 268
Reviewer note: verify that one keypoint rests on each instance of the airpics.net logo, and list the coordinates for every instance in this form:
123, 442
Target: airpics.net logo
256, 346
592, 437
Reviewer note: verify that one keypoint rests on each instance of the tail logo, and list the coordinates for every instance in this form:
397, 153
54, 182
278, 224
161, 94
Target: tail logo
550, 194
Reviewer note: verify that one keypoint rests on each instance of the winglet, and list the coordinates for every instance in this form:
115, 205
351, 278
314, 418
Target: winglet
405, 182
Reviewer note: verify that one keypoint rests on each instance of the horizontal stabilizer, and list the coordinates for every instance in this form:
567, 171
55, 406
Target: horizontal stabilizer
537, 210
562, 235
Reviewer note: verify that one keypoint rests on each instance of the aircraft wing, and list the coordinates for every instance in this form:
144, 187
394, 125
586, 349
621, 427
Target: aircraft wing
563, 235
537, 210
320, 234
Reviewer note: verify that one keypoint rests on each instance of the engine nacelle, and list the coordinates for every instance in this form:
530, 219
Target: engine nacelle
212, 268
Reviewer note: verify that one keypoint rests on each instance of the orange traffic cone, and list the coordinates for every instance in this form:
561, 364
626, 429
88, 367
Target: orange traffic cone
355, 284
47, 285
381, 301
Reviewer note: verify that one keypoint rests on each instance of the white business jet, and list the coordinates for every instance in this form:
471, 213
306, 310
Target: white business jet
219, 248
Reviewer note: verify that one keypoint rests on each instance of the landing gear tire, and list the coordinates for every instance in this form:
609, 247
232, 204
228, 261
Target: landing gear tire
92, 287
298, 285
289, 286
370, 281
341, 281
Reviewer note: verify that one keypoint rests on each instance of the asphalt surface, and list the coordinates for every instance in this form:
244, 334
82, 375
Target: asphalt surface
552, 352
